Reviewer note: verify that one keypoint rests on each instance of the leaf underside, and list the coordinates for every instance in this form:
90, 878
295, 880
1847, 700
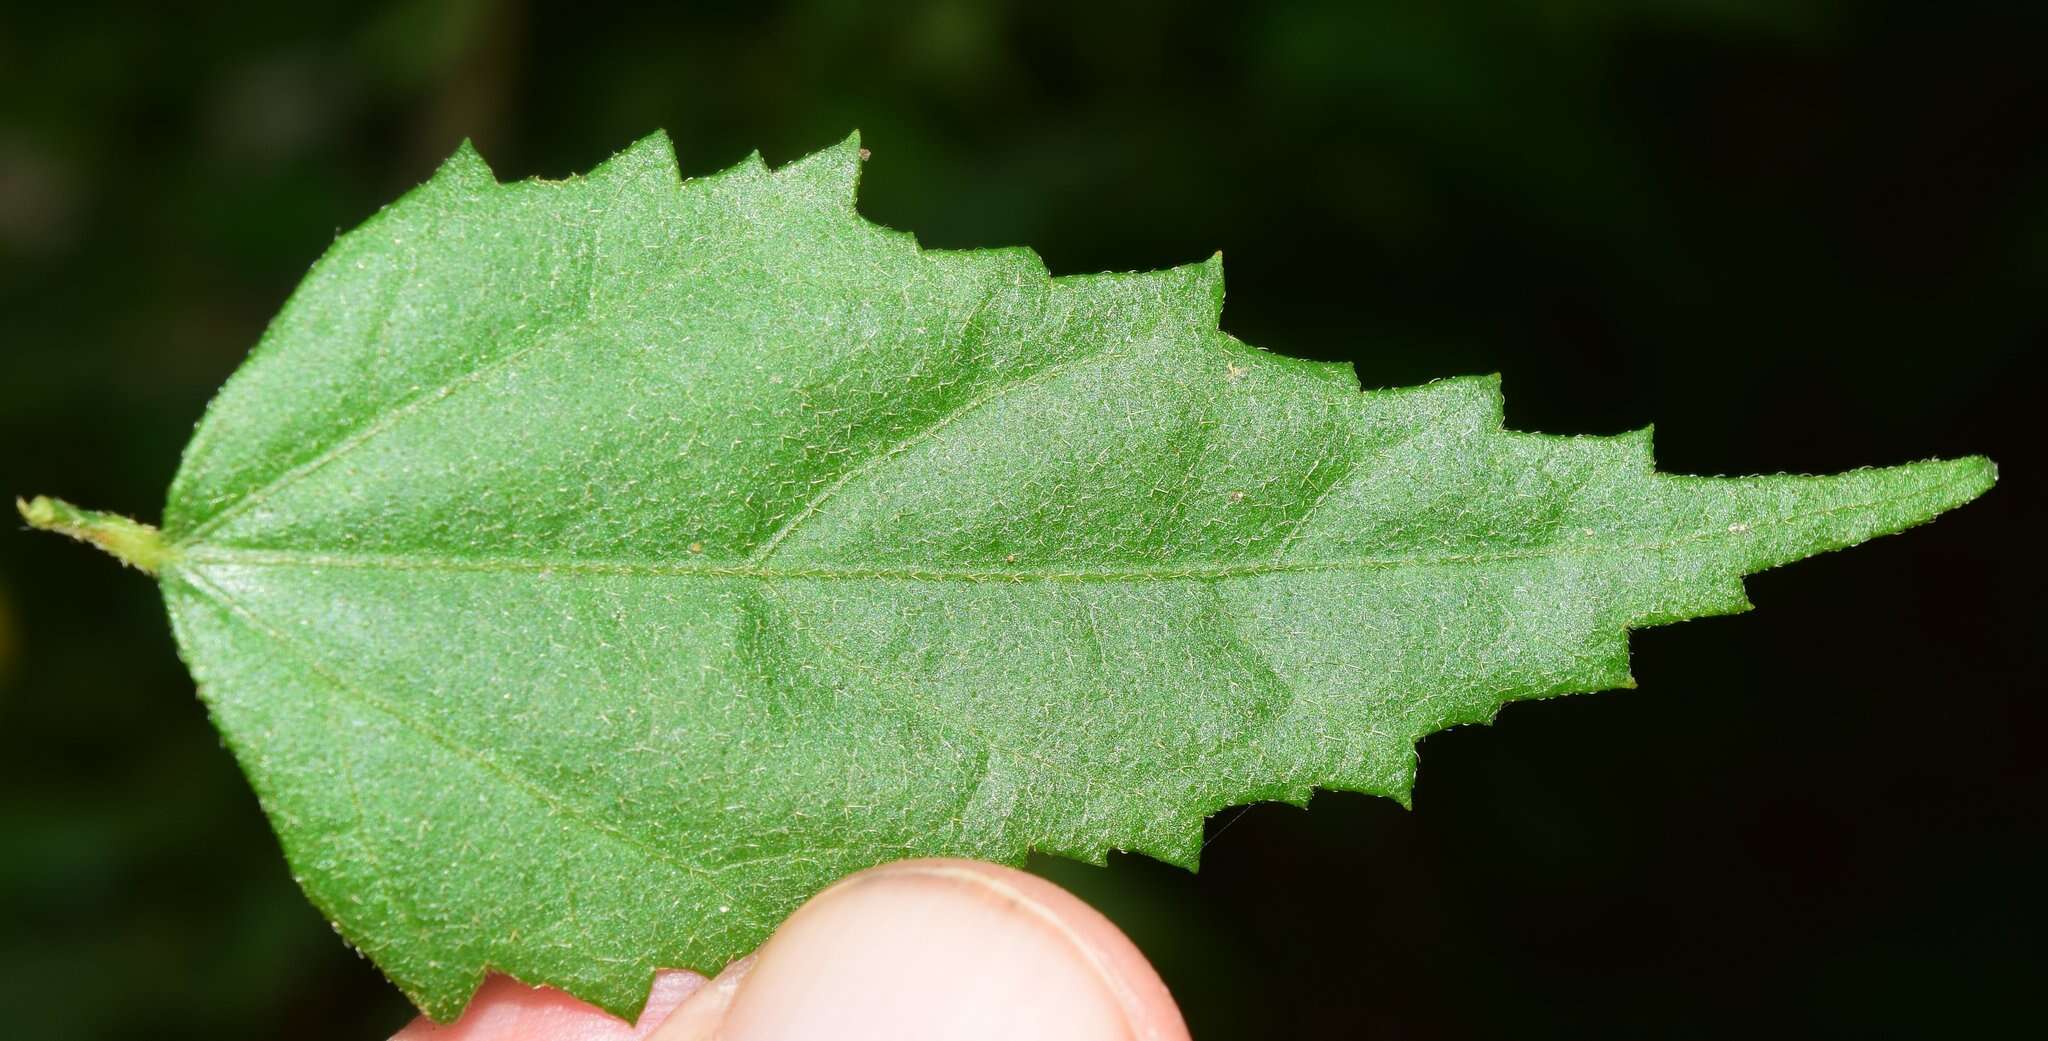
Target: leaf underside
586, 572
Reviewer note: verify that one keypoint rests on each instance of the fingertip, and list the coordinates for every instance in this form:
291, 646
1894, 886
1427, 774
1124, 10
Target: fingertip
504, 1009
1110, 955
930, 949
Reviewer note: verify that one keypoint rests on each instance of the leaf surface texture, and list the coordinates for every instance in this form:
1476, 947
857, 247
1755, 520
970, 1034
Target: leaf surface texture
586, 572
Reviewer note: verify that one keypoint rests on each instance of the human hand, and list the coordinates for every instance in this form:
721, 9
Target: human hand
918, 950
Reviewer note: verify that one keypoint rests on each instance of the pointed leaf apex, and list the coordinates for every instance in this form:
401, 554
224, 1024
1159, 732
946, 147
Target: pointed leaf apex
1766, 522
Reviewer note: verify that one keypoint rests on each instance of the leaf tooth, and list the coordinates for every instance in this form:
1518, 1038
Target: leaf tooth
1684, 596
1205, 279
829, 178
1466, 404
1210, 273
1625, 457
1639, 449
649, 164
463, 172
1006, 266
1190, 295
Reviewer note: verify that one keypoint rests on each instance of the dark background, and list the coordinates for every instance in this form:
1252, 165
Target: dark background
1797, 236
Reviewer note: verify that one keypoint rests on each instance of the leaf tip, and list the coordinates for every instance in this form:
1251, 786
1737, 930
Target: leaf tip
1980, 474
1759, 523
1956, 482
1918, 492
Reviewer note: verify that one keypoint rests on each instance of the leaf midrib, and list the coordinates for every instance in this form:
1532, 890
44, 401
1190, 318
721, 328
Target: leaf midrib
230, 556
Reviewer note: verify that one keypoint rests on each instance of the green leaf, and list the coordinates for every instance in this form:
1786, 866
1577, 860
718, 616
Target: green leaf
585, 573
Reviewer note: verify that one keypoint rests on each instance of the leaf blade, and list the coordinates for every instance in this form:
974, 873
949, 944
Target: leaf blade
714, 538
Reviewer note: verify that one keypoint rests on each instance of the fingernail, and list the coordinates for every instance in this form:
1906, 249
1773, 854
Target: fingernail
942, 949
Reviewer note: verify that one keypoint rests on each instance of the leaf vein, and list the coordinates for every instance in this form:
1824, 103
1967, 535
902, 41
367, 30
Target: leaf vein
554, 804
1038, 377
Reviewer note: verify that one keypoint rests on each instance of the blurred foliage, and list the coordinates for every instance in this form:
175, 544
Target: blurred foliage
1799, 235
